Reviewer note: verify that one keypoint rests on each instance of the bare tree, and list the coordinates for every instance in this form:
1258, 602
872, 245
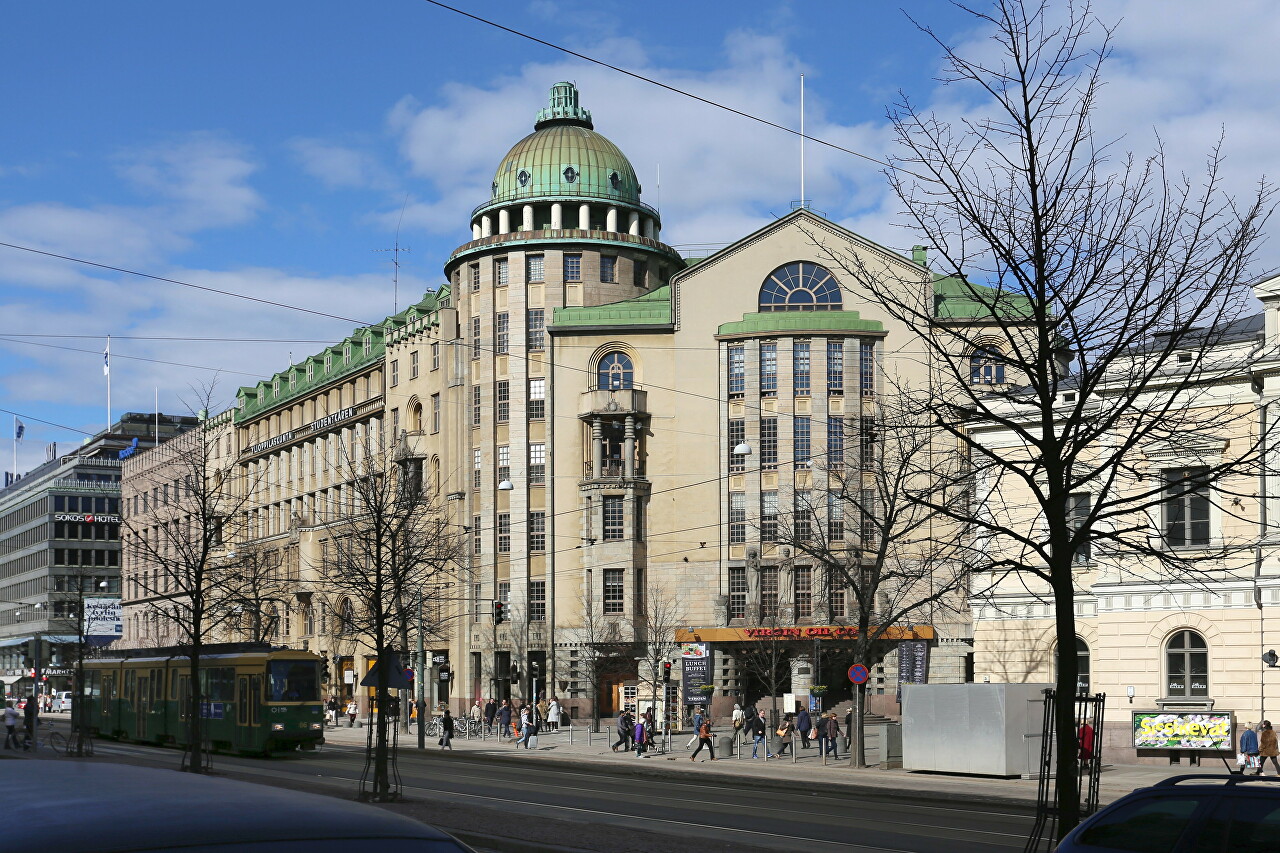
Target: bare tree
660, 614
192, 495
893, 546
252, 591
1084, 294
608, 650
767, 655
394, 543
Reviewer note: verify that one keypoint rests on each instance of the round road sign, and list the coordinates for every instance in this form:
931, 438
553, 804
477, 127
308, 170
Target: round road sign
859, 674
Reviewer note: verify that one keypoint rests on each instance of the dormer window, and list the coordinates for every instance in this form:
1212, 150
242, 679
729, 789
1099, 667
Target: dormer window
368, 345
328, 362
275, 387
311, 370
346, 353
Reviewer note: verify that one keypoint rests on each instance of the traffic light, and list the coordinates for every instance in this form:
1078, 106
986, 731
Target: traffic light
324, 672
515, 672
499, 613
534, 668
666, 671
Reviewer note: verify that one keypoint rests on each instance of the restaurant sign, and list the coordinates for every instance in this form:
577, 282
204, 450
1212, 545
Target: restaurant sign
1156, 730
802, 633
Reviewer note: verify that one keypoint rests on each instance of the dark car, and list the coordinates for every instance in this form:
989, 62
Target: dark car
1186, 814
113, 808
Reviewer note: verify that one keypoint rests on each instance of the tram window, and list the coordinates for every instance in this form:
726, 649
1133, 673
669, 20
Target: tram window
294, 681
130, 686
255, 698
242, 702
220, 684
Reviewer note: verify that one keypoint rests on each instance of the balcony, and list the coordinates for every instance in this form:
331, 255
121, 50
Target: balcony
607, 402
612, 470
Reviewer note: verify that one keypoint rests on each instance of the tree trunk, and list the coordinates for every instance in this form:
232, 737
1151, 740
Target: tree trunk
857, 731
1067, 761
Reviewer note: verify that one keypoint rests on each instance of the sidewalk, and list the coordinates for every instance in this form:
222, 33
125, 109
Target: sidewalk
555, 747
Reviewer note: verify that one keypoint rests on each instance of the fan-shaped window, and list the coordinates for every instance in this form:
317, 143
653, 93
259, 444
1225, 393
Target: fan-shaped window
800, 287
986, 367
615, 371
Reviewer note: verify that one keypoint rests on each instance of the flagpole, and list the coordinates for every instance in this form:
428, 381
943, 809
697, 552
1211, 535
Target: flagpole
106, 369
15, 447
157, 415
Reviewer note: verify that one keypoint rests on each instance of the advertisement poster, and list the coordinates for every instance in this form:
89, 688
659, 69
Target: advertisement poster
913, 663
102, 621
1155, 730
695, 672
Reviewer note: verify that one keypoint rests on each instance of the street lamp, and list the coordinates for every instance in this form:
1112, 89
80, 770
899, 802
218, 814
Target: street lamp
742, 449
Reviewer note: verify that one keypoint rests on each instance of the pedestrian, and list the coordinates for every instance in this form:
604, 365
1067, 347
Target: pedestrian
352, 710
739, 720
543, 708
756, 728
553, 715
1268, 747
446, 731
504, 719
477, 714
698, 717
624, 731
831, 728
32, 712
704, 739
331, 710
804, 725
490, 714
525, 721
640, 734
1249, 759
11, 718
785, 731
528, 728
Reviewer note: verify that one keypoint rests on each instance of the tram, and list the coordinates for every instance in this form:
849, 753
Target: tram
255, 699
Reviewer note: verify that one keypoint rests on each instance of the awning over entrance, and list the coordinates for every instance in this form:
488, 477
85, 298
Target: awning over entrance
15, 641
799, 632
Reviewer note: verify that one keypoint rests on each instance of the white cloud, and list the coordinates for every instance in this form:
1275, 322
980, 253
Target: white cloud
340, 166
203, 178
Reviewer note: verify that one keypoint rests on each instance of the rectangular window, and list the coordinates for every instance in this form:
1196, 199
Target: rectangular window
475, 277
835, 443
737, 434
536, 408
614, 518
395, 424
802, 577
639, 273
504, 592
537, 601
800, 368
537, 464
477, 536
614, 591
768, 443
413, 365
475, 468
838, 610
802, 518
395, 372
475, 337
801, 440
502, 401
835, 517
435, 356
435, 413
502, 333
534, 268
768, 516
477, 610
768, 369
504, 463
835, 367
870, 528
504, 532
867, 442
737, 592
572, 267
768, 592
608, 271
501, 272
737, 371
536, 328
737, 518
537, 531
1186, 507
475, 405
1078, 507
867, 368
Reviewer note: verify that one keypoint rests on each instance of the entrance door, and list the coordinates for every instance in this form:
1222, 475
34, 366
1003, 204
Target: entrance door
143, 707
244, 701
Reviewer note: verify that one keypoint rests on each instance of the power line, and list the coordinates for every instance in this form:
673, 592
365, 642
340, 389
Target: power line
25, 418
170, 338
130, 357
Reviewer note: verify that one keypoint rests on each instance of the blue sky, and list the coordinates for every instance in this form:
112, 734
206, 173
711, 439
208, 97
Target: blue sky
270, 149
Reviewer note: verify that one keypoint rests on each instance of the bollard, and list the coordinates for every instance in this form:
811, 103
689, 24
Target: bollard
793, 747
738, 742
571, 734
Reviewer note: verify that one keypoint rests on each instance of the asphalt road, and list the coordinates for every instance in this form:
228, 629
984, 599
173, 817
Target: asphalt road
547, 807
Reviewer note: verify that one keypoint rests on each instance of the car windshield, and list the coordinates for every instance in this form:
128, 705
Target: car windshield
294, 681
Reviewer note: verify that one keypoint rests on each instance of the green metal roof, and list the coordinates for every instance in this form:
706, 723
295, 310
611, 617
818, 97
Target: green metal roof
650, 309
800, 321
955, 298
564, 156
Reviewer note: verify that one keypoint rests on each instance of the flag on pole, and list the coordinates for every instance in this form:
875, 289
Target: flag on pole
18, 429
106, 359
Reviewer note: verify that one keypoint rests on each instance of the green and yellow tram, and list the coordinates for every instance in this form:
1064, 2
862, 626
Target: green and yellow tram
254, 699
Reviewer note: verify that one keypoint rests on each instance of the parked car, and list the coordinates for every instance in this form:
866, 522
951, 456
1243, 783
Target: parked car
62, 701
1204, 814
114, 808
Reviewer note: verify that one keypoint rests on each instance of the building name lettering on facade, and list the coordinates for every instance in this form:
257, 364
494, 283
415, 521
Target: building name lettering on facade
800, 633
89, 517
315, 426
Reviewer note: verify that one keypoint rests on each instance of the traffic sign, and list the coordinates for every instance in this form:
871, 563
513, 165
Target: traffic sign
859, 674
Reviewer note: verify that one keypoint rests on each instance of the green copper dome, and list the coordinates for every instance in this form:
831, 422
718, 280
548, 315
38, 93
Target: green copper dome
563, 157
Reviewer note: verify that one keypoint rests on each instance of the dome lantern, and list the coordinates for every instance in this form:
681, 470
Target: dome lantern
562, 108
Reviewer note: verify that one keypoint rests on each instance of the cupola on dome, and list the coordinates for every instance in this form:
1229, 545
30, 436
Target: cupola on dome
565, 157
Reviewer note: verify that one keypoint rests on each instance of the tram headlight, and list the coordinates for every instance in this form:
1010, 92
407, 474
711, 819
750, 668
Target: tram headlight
277, 727
316, 727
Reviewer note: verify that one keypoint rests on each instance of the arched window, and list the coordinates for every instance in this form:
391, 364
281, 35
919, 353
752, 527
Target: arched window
308, 621
346, 617
615, 372
799, 286
986, 367
1082, 666
1187, 660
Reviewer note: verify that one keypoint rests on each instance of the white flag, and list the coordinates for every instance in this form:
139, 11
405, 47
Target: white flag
106, 360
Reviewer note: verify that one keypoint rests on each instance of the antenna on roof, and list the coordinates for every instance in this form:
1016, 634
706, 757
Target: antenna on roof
395, 260
803, 201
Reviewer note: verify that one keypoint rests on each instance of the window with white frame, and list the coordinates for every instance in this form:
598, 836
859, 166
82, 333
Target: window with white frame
501, 272
768, 368
614, 518
536, 328
1187, 665
536, 408
737, 357
503, 531
835, 367
769, 516
435, 356
768, 592
504, 462
535, 268
801, 440
537, 530
802, 580
614, 591
502, 333
537, 464
502, 401
737, 592
476, 456
537, 601
1186, 507
737, 518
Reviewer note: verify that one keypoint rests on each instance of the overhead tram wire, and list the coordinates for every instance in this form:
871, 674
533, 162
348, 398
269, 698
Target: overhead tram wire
129, 357
25, 418
4, 334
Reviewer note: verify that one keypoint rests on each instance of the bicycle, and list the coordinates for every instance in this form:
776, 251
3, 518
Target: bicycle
56, 741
